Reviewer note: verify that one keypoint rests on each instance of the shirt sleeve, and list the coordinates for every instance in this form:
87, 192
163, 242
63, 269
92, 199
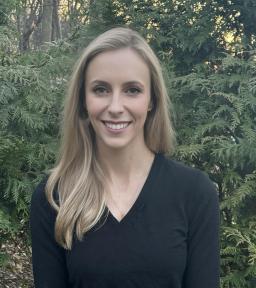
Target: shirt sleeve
48, 257
203, 261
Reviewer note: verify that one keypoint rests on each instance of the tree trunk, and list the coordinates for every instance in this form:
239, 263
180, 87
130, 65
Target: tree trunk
56, 29
46, 32
27, 22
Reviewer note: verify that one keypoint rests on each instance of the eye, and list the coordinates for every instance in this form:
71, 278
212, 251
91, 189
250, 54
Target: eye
100, 90
133, 91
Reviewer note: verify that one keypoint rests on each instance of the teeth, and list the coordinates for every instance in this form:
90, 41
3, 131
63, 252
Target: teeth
116, 126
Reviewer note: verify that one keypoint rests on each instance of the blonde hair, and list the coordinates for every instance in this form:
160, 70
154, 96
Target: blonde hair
77, 176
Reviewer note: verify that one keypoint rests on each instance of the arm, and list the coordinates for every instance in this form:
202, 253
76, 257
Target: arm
203, 237
48, 258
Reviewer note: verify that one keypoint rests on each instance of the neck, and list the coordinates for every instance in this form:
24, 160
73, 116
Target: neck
123, 164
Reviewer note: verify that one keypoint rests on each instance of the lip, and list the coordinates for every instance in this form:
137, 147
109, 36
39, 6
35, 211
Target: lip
116, 122
116, 131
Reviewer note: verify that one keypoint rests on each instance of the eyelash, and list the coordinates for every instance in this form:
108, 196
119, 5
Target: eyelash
97, 88
134, 89
137, 90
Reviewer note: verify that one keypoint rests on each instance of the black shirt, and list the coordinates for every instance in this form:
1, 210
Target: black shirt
168, 239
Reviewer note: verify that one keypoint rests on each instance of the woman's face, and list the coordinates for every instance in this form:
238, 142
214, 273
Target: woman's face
118, 97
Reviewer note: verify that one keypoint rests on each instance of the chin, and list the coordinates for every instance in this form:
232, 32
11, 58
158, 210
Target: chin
117, 144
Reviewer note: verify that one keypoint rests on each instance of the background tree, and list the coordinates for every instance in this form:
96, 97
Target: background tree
29, 16
207, 49
47, 19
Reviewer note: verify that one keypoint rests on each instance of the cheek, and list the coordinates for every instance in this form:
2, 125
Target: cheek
141, 110
93, 107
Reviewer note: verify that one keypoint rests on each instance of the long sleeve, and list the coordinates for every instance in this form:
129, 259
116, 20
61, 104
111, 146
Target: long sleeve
49, 264
203, 261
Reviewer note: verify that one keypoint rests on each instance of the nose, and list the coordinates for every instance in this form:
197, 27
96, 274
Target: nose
115, 106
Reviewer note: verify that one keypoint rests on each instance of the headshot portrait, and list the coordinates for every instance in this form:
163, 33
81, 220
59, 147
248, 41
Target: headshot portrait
117, 210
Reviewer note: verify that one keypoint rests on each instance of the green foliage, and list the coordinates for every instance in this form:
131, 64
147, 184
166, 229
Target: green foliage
216, 111
212, 84
31, 91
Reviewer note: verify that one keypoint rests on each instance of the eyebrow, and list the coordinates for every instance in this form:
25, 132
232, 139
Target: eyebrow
134, 82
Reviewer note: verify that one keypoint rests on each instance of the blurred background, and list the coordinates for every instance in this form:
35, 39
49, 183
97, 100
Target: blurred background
207, 49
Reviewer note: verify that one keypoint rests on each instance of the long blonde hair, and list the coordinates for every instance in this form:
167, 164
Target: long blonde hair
77, 176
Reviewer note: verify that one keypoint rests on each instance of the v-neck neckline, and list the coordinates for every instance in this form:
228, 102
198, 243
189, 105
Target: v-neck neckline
139, 202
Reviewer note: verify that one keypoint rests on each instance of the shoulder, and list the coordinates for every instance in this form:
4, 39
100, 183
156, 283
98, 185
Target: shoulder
187, 181
38, 195
39, 203
177, 167
189, 188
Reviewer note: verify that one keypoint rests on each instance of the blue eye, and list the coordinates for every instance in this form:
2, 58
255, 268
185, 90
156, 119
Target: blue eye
100, 90
133, 91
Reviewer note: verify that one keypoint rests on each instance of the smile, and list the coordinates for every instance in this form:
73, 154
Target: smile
116, 126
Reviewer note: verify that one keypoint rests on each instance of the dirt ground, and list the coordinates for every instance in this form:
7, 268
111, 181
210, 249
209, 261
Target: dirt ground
17, 273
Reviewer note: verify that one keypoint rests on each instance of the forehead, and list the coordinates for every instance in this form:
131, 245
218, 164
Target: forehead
118, 65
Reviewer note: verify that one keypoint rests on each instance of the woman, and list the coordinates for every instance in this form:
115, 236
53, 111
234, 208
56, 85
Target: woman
115, 212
